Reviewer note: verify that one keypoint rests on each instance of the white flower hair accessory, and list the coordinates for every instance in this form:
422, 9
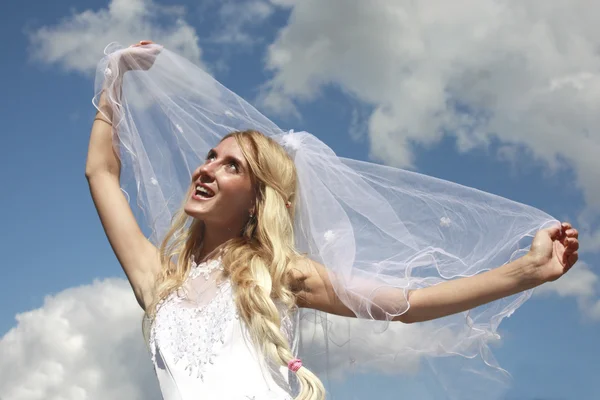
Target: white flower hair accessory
291, 141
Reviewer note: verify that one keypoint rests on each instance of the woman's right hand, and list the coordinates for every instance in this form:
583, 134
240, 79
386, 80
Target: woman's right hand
139, 56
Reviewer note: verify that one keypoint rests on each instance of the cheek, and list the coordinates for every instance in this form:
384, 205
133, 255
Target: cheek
237, 191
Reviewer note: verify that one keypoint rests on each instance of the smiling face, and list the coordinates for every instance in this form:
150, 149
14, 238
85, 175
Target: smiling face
222, 191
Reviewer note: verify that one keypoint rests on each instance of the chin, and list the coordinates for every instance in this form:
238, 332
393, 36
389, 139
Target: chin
194, 211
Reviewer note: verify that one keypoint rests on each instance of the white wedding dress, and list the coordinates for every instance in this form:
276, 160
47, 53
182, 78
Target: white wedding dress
201, 348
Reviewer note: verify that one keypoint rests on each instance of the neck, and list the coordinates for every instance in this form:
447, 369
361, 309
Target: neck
214, 237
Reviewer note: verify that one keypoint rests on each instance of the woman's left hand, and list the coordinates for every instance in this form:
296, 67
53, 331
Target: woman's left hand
139, 56
554, 252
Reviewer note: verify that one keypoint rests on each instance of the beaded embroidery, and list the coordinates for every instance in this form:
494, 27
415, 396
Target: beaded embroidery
189, 333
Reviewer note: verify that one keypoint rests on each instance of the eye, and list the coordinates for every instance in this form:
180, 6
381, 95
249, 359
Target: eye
211, 156
234, 166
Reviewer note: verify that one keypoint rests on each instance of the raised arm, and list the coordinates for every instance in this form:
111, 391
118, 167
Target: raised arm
553, 253
137, 256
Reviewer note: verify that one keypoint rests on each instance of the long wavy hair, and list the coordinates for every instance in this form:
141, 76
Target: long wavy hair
257, 262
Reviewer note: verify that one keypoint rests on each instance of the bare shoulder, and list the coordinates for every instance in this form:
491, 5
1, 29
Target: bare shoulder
313, 287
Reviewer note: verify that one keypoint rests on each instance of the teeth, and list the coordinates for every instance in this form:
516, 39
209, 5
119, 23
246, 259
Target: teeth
203, 190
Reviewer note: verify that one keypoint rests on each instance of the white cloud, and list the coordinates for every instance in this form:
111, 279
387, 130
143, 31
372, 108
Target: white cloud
526, 73
83, 343
76, 43
237, 17
590, 240
580, 283
594, 310
353, 349
347, 345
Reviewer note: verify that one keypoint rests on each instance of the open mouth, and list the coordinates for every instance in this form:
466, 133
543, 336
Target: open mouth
204, 192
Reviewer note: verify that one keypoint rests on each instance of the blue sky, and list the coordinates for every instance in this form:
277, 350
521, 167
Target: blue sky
531, 139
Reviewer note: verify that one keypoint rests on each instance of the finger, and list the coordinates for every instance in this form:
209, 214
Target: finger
572, 245
571, 260
141, 43
155, 50
572, 233
566, 225
554, 232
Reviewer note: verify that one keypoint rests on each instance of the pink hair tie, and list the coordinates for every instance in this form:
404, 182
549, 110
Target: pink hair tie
295, 364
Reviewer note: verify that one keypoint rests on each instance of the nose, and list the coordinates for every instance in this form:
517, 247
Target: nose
206, 172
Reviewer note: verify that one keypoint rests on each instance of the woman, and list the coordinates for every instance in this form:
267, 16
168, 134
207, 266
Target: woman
222, 285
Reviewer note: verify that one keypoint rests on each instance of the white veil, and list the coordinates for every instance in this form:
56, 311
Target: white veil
378, 230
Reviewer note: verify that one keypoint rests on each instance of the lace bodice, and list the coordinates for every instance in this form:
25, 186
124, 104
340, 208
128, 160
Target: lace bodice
200, 345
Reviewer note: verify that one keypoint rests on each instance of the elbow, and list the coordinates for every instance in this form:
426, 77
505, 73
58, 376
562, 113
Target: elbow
93, 169
408, 309
91, 174
88, 173
405, 318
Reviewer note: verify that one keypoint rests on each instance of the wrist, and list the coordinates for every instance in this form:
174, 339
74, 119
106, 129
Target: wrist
526, 271
104, 109
110, 95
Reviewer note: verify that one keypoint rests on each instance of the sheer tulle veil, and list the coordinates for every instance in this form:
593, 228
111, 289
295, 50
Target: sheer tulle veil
377, 229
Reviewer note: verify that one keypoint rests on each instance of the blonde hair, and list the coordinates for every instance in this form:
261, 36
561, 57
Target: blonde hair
257, 261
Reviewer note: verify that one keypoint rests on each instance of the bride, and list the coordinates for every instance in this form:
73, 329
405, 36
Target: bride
251, 226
